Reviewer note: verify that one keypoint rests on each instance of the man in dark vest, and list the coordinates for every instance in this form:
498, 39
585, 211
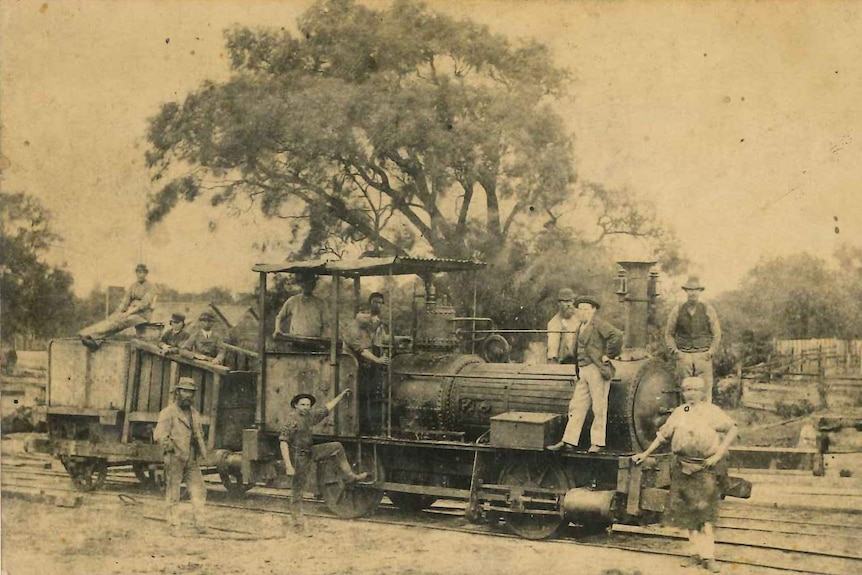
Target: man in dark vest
692, 335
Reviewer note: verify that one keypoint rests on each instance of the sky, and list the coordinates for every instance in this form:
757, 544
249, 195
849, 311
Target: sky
739, 120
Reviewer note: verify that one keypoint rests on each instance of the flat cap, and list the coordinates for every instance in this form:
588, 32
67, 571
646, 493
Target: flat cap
588, 299
141, 268
207, 315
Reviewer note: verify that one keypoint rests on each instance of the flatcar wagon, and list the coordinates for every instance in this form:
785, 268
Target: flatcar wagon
439, 422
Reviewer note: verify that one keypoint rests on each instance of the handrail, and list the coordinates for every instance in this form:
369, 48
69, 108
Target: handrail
242, 350
175, 357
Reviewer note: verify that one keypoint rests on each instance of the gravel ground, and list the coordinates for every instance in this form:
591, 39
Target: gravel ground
105, 537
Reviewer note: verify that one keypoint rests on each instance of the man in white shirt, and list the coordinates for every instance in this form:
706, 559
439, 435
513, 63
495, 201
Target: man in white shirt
561, 329
303, 311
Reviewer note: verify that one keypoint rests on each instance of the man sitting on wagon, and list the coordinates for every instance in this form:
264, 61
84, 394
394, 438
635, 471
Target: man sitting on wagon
205, 344
175, 335
135, 309
299, 452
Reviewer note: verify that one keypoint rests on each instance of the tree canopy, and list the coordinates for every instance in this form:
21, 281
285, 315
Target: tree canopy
399, 127
798, 297
37, 297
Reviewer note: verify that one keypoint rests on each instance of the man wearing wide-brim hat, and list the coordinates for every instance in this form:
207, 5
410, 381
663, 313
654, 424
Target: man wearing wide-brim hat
180, 433
135, 309
561, 329
692, 335
205, 344
300, 453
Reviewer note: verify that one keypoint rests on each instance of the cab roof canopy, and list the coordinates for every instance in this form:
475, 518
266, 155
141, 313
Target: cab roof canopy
373, 266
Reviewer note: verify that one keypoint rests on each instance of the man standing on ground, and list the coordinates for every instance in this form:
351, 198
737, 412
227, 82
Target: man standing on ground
596, 343
561, 329
135, 309
299, 452
181, 435
692, 335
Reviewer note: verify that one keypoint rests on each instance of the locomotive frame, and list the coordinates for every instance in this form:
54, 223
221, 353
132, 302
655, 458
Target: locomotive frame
437, 423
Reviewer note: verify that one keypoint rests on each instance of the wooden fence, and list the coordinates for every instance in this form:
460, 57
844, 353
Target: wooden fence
805, 374
832, 356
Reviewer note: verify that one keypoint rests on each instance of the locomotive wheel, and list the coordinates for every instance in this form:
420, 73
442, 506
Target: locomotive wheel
411, 501
88, 474
351, 500
234, 484
534, 472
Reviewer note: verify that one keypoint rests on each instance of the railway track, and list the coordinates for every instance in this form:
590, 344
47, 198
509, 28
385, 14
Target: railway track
795, 540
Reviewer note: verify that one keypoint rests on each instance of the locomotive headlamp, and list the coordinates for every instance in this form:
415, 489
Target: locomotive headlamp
653, 285
622, 285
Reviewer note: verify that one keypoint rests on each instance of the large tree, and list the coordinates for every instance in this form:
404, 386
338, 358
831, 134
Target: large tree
37, 297
797, 297
401, 127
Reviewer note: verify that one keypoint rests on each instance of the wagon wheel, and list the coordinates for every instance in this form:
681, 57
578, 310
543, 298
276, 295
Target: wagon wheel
351, 500
151, 476
232, 481
87, 474
411, 501
534, 472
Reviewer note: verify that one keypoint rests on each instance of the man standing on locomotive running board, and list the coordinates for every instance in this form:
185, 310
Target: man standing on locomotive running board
180, 433
597, 342
561, 329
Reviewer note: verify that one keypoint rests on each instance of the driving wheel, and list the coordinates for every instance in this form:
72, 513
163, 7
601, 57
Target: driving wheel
350, 500
536, 484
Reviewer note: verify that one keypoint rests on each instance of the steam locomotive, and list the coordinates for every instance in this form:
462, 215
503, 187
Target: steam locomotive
438, 423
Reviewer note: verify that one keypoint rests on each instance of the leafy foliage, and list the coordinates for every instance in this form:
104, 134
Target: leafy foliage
37, 297
796, 297
388, 127
401, 130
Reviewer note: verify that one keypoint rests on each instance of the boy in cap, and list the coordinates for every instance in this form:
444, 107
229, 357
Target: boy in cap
692, 335
596, 343
299, 451
700, 434
175, 335
135, 309
561, 329
180, 433
205, 344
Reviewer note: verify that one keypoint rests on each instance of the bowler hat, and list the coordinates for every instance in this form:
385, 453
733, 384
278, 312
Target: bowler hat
187, 383
376, 294
207, 315
178, 317
565, 294
299, 396
141, 268
693, 284
588, 299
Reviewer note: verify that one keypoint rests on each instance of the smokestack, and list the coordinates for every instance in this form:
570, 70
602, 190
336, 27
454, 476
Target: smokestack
637, 286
